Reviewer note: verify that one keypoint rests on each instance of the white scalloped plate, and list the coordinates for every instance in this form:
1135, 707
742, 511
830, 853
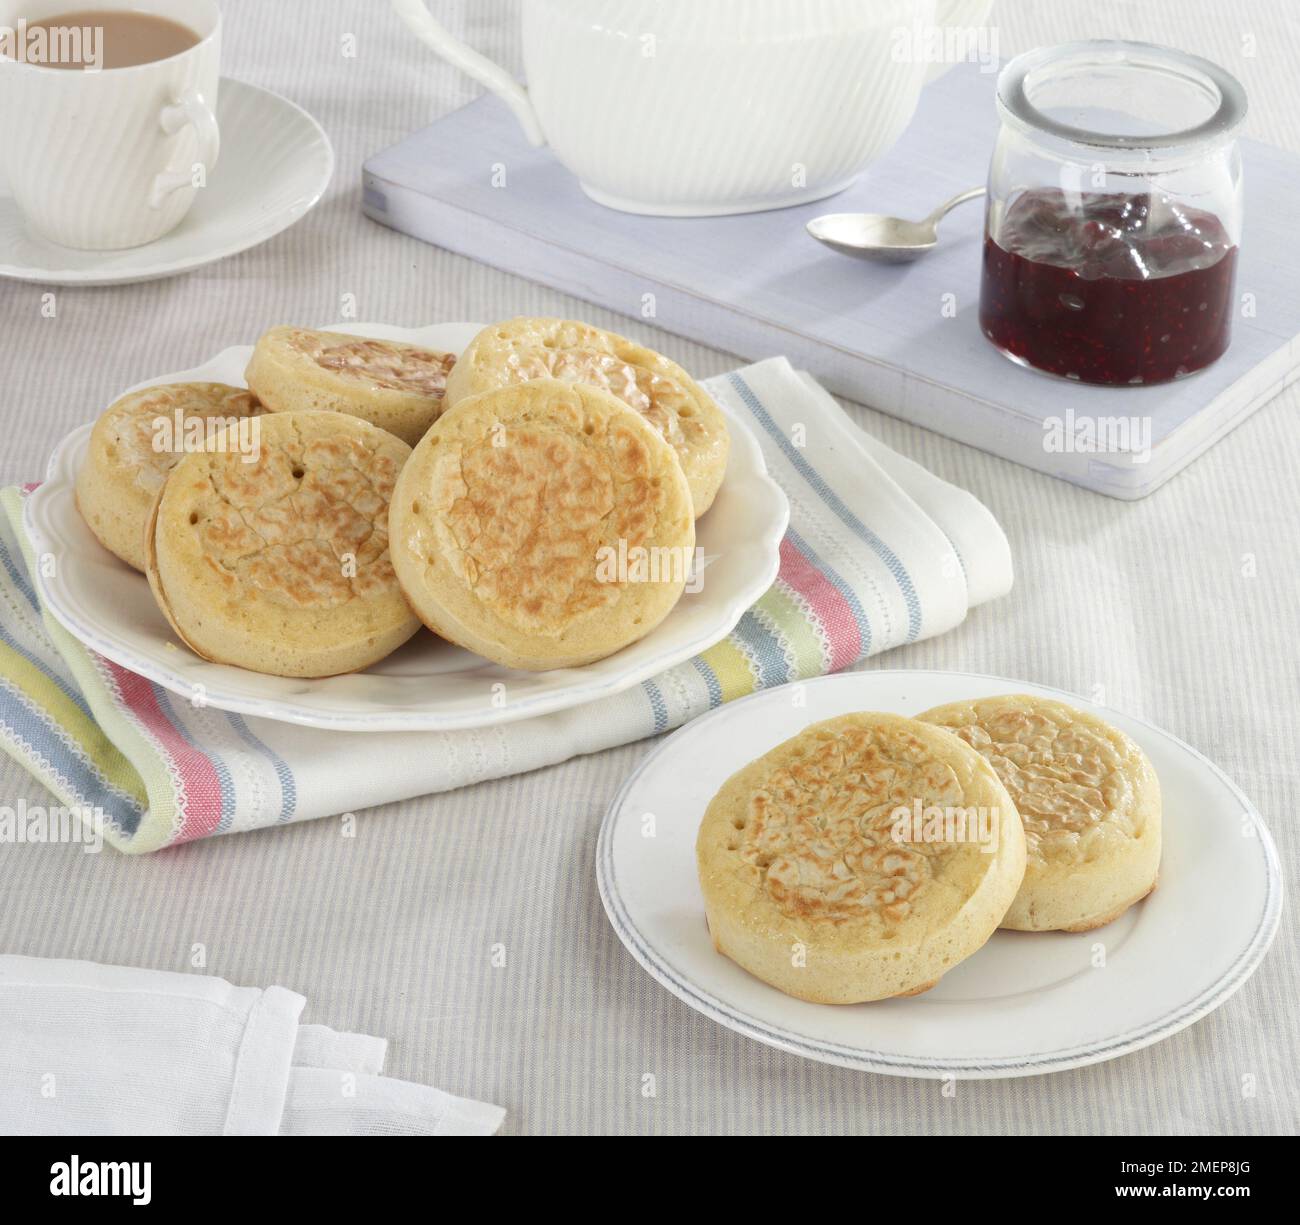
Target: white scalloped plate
428, 685
1027, 1002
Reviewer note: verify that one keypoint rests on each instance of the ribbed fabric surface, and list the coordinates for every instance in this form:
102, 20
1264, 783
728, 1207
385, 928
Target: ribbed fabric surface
474, 938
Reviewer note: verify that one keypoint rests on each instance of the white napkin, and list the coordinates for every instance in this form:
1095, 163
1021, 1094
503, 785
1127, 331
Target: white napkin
111, 1050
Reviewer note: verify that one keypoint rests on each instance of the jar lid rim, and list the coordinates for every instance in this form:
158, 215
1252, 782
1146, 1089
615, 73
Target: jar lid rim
1217, 129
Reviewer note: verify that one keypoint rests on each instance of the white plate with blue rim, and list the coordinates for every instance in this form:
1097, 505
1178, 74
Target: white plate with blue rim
429, 684
1027, 1002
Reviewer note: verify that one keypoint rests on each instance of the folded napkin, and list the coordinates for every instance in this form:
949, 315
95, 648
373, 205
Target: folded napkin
879, 553
97, 1050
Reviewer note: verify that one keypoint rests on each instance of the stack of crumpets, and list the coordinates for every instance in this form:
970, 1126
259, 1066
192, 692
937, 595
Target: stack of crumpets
868, 855
291, 529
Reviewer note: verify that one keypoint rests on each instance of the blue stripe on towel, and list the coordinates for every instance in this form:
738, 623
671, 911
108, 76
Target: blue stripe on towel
832, 500
657, 705
710, 681
18, 576
288, 788
25, 724
765, 649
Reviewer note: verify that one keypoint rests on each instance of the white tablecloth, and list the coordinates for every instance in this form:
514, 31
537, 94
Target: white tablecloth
467, 927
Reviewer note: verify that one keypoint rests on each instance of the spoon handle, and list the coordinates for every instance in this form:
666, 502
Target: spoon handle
944, 209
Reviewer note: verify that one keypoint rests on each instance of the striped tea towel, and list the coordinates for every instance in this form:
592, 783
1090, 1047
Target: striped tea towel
879, 553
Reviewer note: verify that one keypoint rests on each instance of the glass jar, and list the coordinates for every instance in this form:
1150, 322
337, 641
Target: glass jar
1114, 214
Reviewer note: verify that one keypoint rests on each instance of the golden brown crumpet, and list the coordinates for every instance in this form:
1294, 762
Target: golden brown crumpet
545, 525
136, 443
282, 565
861, 859
660, 390
398, 387
1089, 800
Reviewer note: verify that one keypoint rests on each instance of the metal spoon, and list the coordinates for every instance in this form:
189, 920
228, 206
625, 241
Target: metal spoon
888, 240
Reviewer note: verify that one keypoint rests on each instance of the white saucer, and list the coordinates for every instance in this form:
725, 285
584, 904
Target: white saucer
275, 163
1027, 1002
428, 685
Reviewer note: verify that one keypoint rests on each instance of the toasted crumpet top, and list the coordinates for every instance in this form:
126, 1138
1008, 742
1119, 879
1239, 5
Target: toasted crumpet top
281, 529
522, 506
379, 363
678, 408
131, 430
814, 825
656, 396
1077, 781
544, 525
524, 521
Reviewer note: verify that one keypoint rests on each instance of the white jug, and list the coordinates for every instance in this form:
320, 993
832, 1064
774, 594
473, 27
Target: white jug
705, 107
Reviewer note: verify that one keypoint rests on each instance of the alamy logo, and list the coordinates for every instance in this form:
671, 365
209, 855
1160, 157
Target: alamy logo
76, 46
658, 564
182, 435
947, 823
34, 823
947, 45
1074, 434
126, 1179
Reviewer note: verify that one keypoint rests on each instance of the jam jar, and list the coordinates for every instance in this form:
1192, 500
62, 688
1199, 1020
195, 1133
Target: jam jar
1114, 214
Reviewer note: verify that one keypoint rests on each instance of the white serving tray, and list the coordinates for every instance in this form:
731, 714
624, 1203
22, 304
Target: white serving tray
758, 286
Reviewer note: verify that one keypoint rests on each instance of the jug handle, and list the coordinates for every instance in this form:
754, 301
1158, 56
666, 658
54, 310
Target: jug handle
434, 34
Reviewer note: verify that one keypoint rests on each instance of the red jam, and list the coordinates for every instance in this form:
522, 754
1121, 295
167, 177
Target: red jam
1110, 289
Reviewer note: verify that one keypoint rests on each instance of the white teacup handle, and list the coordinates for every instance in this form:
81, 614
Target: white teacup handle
189, 109
434, 34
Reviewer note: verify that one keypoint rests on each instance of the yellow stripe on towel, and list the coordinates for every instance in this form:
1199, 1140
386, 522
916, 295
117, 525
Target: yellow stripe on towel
62, 712
733, 669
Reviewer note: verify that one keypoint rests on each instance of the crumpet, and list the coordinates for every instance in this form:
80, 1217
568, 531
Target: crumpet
398, 387
545, 525
281, 565
1089, 800
136, 443
861, 859
660, 390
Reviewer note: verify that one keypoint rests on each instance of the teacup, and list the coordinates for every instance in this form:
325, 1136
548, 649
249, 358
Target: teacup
106, 158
